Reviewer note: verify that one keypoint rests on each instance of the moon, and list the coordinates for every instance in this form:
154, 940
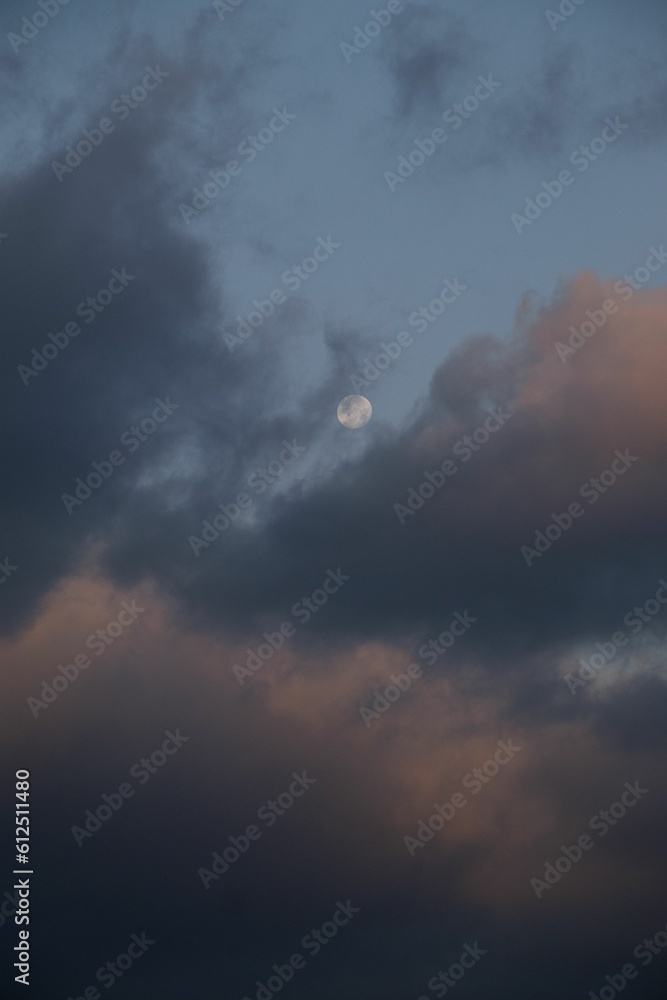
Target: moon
354, 411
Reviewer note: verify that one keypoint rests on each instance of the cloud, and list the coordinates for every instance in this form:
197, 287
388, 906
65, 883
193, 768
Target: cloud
469, 882
571, 386
537, 117
425, 55
462, 549
160, 337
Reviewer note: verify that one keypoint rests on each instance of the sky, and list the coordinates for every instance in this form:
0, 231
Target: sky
312, 710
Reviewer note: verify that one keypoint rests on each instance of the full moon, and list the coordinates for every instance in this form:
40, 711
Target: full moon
354, 411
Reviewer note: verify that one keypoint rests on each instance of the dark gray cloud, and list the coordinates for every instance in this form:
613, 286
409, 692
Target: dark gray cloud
160, 336
462, 548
